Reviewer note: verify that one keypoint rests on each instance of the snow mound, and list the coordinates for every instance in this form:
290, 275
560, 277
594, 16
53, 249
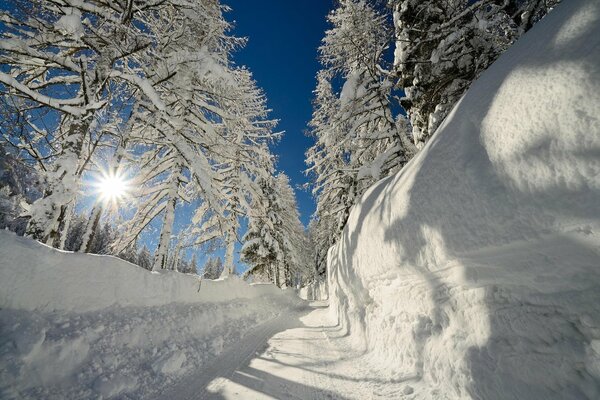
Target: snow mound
78, 326
475, 271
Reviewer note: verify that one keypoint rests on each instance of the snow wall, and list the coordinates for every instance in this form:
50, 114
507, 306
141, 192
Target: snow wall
35, 277
475, 272
79, 326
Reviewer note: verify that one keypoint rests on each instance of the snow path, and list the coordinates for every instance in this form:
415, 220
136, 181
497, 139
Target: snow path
297, 355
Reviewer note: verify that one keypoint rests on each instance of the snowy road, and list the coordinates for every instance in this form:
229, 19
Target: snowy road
295, 356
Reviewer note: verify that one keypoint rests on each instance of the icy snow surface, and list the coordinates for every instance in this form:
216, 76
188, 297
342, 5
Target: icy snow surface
475, 272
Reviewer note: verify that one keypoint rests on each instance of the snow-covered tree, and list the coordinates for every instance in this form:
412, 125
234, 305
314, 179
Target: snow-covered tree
244, 159
19, 185
193, 265
262, 244
357, 138
212, 268
443, 46
297, 263
64, 86
275, 245
145, 258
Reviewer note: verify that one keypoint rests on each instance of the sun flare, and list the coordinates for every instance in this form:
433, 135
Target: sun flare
112, 187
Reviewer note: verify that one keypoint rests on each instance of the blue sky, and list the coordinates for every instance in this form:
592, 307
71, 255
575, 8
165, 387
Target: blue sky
282, 54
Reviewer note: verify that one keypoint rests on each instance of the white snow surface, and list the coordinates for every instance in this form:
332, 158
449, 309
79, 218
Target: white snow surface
474, 273
77, 326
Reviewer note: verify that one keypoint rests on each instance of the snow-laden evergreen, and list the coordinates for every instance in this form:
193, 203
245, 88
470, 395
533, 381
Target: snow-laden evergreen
276, 246
440, 48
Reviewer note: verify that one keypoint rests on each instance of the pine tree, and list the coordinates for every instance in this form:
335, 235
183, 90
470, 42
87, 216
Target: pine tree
275, 245
262, 249
144, 258
193, 265
296, 262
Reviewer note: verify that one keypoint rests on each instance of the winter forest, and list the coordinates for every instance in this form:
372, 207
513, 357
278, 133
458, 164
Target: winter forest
118, 117
439, 240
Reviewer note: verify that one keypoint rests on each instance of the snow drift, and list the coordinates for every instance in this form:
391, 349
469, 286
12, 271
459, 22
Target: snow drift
65, 281
83, 326
475, 271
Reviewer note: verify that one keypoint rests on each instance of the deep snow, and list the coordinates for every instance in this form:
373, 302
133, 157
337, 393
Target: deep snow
82, 326
475, 271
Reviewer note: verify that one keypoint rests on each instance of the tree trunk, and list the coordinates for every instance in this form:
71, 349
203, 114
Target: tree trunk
66, 224
229, 266
90, 230
162, 253
176, 257
276, 275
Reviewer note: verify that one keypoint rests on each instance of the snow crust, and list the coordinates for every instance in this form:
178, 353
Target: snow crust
475, 271
76, 326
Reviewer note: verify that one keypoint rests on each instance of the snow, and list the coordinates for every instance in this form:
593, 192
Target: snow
81, 326
475, 271
294, 356
350, 88
71, 25
64, 281
316, 290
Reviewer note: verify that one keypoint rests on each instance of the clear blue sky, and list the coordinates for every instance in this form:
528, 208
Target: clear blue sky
282, 54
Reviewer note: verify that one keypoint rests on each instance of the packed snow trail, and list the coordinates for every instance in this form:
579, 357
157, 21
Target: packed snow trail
297, 355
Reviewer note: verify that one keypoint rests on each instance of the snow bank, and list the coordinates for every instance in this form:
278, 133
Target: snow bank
475, 271
65, 281
76, 326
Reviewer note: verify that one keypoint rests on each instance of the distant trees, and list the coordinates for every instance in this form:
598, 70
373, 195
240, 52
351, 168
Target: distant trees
275, 245
213, 268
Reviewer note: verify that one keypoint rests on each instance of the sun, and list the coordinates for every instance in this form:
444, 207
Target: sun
112, 187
